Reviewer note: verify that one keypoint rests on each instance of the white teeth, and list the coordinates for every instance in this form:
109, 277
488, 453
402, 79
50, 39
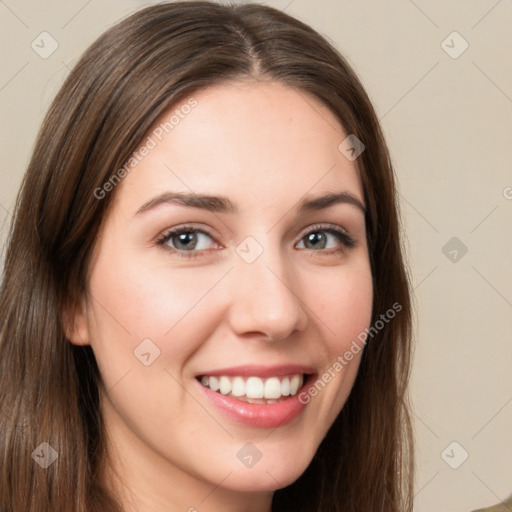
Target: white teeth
213, 383
272, 388
255, 388
238, 387
295, 384
224, 385
285, 387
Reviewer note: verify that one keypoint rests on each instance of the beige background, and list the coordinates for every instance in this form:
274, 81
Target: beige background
448, 124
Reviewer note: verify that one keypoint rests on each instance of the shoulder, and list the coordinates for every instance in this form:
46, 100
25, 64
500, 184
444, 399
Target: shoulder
504, 506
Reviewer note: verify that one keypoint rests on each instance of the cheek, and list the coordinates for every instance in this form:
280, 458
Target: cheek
146, 324
345, 309
135, 303
345, 305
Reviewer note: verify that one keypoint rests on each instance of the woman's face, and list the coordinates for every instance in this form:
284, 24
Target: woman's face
264, 285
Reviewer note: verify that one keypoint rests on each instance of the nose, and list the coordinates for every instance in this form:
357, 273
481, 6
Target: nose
264, 302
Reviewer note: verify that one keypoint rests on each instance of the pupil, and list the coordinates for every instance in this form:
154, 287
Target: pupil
317, 239
185, 239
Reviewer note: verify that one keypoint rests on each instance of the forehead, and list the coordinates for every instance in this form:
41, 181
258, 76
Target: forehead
260, 141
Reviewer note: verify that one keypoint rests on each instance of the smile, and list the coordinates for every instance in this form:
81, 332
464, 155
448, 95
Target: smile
253, 389
257, 396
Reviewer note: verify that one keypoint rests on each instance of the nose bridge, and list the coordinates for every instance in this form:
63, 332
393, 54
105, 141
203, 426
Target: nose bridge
263, 295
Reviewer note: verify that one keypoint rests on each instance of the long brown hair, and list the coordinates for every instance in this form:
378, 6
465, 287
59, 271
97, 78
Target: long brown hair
122, 84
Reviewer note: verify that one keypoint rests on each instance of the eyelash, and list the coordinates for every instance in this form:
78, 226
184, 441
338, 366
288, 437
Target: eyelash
347, 241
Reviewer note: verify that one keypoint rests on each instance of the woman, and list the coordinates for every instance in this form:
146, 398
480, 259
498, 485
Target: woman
205, 305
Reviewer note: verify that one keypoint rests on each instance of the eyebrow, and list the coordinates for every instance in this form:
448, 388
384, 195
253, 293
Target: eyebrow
219, 204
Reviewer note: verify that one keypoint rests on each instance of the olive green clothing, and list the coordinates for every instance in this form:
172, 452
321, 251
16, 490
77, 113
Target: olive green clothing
504, 506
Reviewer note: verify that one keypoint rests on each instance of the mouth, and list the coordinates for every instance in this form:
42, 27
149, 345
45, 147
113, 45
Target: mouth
258, 397
253, 389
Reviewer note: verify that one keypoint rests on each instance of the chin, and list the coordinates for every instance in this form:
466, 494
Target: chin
267, 476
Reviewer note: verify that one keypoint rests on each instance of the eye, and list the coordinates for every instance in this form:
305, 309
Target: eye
326, 239
186, 239
189, 241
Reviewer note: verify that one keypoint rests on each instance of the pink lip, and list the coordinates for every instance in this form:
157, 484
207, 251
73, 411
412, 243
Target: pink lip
261, 371
257, 415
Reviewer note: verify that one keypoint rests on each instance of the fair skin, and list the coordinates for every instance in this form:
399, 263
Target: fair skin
265, 147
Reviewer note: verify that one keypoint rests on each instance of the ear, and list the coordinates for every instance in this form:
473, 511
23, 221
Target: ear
75, 323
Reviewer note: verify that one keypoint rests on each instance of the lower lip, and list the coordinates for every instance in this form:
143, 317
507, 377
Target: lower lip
257, 415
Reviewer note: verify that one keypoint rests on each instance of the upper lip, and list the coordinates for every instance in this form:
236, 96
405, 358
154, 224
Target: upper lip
261, 371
